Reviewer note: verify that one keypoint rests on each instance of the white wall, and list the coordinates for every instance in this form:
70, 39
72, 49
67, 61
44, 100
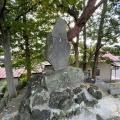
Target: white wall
105, 71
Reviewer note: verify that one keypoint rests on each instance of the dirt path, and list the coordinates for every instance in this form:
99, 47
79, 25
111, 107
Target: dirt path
13, 105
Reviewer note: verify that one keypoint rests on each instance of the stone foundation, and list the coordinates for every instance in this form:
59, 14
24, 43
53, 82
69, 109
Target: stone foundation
62, 100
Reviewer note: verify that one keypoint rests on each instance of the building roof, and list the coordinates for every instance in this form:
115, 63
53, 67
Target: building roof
110, 56
16, 72
39, 68
117, 64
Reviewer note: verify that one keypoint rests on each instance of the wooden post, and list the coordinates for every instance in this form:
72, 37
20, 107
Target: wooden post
115, 71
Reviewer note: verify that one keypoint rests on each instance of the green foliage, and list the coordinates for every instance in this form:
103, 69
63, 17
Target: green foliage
40, 18
23, 78
71, 60
115, 50
3, 88
111, 33
3, 102
22, 83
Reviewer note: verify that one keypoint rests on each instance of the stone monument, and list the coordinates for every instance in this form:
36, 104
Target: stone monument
57, 49
57, 94
57, 52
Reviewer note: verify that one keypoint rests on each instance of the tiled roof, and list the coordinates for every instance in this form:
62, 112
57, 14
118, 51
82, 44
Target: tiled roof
16, 72
39, 68
2, 73
110, 56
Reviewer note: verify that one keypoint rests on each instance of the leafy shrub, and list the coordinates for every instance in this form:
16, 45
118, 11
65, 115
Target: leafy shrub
19, 86
22, 83
3, 88
23, 78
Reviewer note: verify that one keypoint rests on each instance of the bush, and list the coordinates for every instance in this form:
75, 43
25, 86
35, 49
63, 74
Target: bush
22, 83
3, 88
19, 86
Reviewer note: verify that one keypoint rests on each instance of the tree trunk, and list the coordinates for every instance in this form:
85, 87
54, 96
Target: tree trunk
27, 55
87, 13
98, 44
27, 50
8, 65
85, 46
85, 49
7, 55
76, 52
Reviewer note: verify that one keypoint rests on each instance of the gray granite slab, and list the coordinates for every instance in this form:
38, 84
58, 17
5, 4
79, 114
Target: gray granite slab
57, 49
69, 77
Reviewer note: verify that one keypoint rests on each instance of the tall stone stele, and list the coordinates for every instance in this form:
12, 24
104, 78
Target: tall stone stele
57, 49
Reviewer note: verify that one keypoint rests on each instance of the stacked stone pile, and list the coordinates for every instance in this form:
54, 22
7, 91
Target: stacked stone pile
81, 101
41, 104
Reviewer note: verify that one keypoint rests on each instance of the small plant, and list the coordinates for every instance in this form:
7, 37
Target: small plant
3, 102
3, 88
22, 83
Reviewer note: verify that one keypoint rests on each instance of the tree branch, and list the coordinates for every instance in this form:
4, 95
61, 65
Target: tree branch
21, 5
91, 55
87, 13
25, 12
102, 1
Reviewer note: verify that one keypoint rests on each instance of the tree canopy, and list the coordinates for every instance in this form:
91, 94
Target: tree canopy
27, 24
